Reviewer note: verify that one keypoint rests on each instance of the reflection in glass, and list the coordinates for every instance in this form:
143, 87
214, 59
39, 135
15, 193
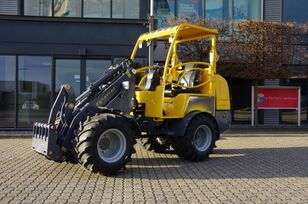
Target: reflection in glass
246, 9
34, 88
140, 62
125, 9
96, 8
68, 72
165, 9
7, 91
67, 8
189, 8
37, 7
96, 69
214, 9
295, 11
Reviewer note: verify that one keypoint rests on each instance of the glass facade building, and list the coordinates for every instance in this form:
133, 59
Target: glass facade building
46, 43
7, 91
214, 9
82, 8
26, 88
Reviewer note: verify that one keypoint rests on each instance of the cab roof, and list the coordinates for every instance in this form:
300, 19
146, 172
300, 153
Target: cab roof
183, 31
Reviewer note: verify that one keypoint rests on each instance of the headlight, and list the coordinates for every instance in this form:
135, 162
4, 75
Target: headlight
125, 85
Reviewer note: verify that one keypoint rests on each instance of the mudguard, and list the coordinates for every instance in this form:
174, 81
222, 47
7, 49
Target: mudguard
177, 127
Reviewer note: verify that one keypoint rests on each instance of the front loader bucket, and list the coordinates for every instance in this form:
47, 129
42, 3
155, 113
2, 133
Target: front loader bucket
46, 136
44, 141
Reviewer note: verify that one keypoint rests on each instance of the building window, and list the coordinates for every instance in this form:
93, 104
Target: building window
34, 89
37, 7
214, 9
7, 91
95, 69
125, 9
67, 8
82, 8
96, 8
165, 9
295, 11
246, 9
189, 8
9, 7
68, 72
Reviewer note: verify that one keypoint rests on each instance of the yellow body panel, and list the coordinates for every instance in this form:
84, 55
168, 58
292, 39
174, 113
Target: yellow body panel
222, 93
175, 106
207, 88
182, 104
153, 101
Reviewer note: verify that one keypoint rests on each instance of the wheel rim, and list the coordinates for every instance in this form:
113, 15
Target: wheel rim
111, 145
203, 138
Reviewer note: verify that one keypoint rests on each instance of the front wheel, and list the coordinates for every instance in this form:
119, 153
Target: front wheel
199, 139
105, 143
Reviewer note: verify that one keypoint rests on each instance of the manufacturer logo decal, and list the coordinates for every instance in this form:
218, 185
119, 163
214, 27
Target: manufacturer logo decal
261, 98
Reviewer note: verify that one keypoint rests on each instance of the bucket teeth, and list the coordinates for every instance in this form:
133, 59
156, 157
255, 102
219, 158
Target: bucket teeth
44, 141
40, 136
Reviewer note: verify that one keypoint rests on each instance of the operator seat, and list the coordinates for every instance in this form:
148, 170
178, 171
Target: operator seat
153, 80
190, 79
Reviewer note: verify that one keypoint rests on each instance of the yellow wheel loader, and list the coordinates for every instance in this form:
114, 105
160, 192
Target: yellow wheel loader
184, 105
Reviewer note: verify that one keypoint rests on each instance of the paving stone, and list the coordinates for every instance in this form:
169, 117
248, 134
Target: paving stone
241, 170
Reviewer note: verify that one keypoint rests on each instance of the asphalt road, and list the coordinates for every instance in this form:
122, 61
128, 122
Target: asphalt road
241, 170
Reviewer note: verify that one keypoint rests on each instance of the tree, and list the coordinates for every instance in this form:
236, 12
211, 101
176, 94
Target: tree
255, 50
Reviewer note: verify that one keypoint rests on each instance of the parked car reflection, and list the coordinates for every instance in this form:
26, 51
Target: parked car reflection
30, 105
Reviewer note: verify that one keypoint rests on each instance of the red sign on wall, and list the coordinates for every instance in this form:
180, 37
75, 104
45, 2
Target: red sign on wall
277, 98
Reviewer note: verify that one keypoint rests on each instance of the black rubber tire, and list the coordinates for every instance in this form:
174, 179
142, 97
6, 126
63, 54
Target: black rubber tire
88, 137
152, 144
185, 146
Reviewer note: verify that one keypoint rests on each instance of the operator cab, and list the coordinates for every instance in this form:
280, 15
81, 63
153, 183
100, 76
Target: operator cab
185, 74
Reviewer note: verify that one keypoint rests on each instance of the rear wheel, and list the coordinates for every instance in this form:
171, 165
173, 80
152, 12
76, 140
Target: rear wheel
105, 143
199, 139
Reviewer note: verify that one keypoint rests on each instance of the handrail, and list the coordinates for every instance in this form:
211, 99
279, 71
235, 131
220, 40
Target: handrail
193, 63
147, 68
